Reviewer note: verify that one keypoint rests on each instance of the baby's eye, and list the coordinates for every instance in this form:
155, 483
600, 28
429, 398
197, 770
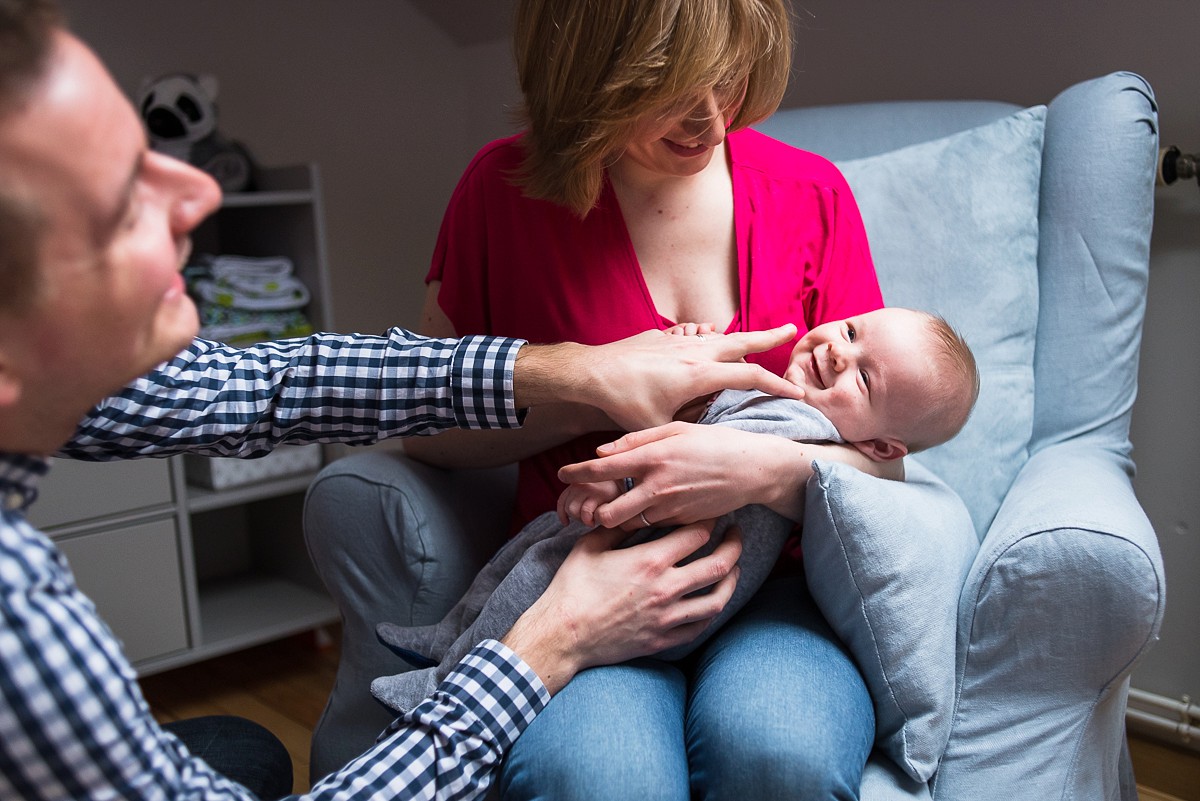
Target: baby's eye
866, 379
850, 332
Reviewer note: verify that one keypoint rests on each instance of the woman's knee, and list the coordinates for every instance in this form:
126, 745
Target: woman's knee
614, 733
778, 709
778, 766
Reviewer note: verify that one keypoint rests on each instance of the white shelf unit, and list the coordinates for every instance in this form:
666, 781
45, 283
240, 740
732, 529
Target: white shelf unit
181, 572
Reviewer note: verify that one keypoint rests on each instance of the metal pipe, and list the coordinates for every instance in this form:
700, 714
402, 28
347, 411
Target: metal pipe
1173, 165
1177, 722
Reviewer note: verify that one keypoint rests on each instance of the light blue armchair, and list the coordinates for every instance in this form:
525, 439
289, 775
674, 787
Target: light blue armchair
1046, 277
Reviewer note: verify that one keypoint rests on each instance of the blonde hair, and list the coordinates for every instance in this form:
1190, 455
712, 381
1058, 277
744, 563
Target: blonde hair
590, 70
953, 388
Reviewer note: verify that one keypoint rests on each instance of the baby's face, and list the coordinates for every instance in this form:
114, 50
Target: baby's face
864, 373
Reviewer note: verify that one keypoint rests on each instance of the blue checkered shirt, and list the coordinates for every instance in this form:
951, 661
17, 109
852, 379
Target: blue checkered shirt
73, 723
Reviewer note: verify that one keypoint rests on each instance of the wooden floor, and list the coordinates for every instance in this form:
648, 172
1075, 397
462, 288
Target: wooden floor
1165, 773
283, 686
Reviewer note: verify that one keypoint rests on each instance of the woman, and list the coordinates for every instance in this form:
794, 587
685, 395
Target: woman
637, 198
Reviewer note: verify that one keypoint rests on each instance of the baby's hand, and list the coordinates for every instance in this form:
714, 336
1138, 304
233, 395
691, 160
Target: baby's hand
693, 410
691, 329
580, 501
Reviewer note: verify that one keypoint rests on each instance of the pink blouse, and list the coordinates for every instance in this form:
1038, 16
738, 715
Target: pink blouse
532, 269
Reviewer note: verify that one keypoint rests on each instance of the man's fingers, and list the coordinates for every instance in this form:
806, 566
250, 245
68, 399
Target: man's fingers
675, 546
696, 612
709, 570
708, 605
753, 376
738, 344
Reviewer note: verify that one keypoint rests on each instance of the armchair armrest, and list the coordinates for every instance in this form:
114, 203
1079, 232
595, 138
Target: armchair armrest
1065, 595
393, 540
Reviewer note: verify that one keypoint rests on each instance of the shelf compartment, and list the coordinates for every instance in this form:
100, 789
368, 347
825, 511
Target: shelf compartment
254, 579
246, 610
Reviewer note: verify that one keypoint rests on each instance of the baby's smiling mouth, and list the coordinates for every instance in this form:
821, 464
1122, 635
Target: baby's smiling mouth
816, 371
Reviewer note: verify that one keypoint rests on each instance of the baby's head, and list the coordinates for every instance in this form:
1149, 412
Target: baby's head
893, 381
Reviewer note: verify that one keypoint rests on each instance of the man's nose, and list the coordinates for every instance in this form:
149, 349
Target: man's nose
191, 194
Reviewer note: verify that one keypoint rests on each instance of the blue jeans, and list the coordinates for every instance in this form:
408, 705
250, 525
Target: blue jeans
771, 707
240, 750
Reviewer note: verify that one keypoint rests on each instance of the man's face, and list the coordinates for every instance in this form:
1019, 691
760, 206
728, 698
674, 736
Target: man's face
110, 303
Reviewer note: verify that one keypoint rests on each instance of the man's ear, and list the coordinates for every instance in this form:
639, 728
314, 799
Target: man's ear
883, 449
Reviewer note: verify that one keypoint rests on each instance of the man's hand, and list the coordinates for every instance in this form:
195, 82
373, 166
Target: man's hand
609, 604
643, 380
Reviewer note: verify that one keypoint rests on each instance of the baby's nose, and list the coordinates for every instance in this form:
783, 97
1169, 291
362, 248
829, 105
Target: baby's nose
837, 357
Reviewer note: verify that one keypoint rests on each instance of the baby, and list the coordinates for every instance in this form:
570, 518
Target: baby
888, 382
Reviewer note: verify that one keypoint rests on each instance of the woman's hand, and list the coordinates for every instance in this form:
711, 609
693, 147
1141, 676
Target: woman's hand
684, 472
609, 604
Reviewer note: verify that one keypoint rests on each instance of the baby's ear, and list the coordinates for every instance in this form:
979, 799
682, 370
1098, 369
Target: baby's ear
883, 449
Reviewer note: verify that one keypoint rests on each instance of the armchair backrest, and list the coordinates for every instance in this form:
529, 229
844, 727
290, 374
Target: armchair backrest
1029, 231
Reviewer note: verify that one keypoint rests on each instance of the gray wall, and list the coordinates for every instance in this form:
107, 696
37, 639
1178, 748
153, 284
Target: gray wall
393, 98
387, 103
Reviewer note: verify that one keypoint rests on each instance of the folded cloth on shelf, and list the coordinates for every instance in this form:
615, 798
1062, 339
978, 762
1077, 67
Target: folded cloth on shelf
239, 327
246, 299
243, 282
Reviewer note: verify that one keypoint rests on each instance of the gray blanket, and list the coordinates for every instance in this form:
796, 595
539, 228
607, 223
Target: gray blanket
521, 570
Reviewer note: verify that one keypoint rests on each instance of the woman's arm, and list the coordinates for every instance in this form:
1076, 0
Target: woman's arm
684, 472
544, 427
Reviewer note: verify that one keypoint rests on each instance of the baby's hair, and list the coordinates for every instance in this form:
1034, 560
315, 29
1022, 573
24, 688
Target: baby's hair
953, 387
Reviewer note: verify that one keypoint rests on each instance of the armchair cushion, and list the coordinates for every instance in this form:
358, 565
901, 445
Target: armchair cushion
885, 561
953, 225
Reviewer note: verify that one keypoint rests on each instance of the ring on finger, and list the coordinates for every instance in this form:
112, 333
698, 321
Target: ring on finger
645, 522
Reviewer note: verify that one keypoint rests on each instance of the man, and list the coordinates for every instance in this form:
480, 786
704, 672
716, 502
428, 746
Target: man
93, 234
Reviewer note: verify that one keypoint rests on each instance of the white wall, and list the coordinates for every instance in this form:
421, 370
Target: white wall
393, 108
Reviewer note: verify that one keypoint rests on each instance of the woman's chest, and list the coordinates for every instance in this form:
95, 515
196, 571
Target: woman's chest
687, 256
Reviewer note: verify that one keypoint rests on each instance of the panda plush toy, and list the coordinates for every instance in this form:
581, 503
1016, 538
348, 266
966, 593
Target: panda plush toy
180, 115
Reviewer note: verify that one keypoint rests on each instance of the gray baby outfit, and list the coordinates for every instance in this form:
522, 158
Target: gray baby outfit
522, 569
